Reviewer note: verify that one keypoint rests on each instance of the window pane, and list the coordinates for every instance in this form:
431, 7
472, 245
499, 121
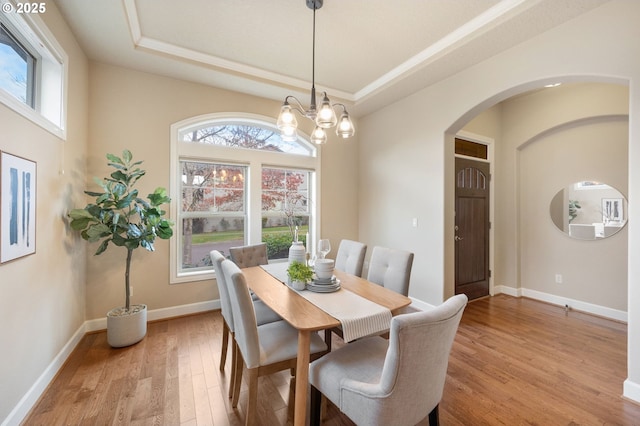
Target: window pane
285, 206
208, 187
243, 136
201, 235
212, 211
16, 68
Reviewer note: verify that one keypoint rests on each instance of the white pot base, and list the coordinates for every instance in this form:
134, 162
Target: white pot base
125, 330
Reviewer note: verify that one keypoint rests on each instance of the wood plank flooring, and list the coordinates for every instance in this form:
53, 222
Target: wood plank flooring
514, 362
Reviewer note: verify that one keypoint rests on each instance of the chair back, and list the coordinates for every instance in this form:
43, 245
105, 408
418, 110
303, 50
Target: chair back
415, 367
350, 257
251, 255
223, 288
244, 315
391, 269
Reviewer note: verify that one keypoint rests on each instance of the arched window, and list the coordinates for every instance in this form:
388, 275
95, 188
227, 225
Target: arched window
236, 182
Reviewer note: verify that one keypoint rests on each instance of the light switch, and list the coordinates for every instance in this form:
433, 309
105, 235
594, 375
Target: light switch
415, 222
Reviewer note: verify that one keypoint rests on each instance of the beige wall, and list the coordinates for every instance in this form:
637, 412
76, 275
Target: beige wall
43, 295
135, 110
420, 128
545, 140
557, 137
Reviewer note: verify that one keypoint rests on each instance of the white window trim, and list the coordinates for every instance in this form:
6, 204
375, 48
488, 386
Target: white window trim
254, 160
50, 112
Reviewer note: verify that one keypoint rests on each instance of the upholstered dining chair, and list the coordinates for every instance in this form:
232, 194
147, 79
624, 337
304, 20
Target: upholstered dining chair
250, 255
350, 257
391, 268
264, 315
264, 349
399, 381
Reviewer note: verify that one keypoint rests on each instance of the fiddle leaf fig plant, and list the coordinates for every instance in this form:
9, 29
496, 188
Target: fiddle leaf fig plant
120, 217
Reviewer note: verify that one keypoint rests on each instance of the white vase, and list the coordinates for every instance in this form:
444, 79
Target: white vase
298, 285
297, 253
126, 328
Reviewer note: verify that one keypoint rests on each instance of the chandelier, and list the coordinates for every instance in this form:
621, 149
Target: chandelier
324, 116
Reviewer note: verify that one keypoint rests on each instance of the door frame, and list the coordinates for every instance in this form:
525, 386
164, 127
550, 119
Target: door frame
490, 143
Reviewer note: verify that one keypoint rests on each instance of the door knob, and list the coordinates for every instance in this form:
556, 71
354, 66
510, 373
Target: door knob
458, 238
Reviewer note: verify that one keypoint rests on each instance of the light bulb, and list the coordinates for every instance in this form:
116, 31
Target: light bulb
319, 136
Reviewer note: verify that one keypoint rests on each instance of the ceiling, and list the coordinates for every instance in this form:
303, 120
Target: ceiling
369, 53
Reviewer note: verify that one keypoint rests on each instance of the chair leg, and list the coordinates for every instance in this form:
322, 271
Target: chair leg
234, 367
252, 400
292, 398
315, 404
237, 379
434, 418
225, 344
327, 339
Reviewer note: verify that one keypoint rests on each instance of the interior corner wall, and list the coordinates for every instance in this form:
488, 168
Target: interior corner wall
403, 170
42, 306
135, 110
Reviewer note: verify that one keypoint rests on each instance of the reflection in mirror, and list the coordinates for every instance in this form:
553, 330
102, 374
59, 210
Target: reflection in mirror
589, 210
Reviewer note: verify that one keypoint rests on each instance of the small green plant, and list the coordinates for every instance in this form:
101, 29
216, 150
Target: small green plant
120, 217
299, 272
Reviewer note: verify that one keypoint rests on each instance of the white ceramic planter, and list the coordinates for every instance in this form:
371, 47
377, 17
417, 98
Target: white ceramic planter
125, 329
298, 285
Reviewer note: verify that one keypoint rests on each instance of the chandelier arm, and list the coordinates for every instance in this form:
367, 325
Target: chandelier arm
297, 105
344, 108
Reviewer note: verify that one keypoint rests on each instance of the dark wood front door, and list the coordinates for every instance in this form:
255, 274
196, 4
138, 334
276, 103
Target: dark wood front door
472, 228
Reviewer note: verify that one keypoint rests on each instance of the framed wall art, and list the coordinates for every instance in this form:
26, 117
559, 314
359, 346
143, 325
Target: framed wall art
17, 207
612, 210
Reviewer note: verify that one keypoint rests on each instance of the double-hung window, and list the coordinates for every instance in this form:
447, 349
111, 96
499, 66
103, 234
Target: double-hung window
236, 182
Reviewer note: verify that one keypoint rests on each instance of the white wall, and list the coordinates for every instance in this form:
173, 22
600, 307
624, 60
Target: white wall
419, 129
42, 302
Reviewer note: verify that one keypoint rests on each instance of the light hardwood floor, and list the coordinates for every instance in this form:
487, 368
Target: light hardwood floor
513, 362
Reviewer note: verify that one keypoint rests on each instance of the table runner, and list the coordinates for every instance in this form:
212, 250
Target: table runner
359, 316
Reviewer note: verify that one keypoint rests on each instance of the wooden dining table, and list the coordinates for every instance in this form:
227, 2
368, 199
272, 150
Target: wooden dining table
307, 317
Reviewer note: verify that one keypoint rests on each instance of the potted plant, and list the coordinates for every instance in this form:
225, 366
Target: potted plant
120, 217
299, 275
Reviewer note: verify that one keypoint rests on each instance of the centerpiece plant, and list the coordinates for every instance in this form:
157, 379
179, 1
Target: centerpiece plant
120, 217
299, 274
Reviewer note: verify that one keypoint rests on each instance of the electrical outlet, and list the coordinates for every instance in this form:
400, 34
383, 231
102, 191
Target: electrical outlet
558, 278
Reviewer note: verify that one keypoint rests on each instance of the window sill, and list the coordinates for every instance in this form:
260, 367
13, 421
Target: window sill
32, 115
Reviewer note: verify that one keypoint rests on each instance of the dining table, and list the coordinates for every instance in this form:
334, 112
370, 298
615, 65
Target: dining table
308, 317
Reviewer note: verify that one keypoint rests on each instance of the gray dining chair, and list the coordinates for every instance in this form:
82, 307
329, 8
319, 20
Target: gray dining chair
391, 268
264, 349
375, 381
264, 315
249, 255
350, 257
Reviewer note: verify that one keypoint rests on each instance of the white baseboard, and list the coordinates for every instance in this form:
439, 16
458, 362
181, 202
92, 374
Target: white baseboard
631, 390
515, 292
578, 305
162, 313
27, 402
20, 411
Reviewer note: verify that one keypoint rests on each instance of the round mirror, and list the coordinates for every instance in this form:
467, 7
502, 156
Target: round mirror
589, 210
